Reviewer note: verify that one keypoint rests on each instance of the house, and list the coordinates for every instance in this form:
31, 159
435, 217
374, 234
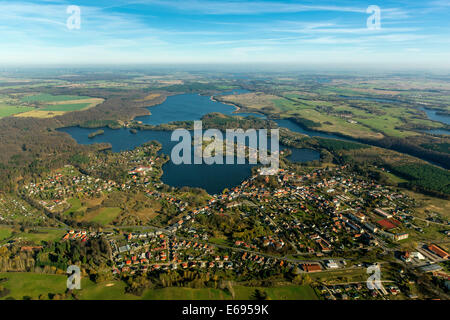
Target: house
383, 213
417, 255
431, 268
438, 251
311, 267
331, 264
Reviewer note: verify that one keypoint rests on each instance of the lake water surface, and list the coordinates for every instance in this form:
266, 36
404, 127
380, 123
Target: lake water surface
213, 178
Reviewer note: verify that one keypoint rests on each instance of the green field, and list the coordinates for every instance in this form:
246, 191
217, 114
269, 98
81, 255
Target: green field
106, 215
45, 97
75, 205
34, 285
42, 235
7, 110
5, 233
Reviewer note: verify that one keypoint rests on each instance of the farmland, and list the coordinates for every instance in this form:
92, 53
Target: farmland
340, 110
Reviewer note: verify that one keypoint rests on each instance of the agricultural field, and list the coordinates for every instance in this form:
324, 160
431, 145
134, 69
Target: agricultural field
9, 106
40, 235
7, 110
348, 111
47, 105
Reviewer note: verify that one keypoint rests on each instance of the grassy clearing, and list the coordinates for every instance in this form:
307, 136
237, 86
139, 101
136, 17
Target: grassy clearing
5, 233
34, 285
75, 204
428, 204
106, 215
41, 235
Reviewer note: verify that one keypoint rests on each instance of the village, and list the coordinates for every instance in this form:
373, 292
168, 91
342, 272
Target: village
315, 221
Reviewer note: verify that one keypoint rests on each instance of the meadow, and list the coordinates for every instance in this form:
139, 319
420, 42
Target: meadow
7, 110
36, 285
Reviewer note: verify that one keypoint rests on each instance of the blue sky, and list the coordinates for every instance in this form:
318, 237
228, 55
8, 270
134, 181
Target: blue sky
413, 33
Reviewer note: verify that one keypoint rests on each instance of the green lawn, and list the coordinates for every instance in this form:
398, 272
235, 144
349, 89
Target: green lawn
106, 215
33, 285
5, 233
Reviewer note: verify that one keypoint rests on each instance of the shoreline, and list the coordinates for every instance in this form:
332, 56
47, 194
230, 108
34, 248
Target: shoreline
227, 103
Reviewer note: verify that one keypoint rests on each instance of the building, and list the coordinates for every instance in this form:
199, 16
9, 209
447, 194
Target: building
311, 267
401, 236
383, 213
371, 227
417, 255
438, 251
431, 268
331, 264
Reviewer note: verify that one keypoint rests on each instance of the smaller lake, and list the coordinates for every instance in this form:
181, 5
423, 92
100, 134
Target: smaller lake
438, 131
432, 115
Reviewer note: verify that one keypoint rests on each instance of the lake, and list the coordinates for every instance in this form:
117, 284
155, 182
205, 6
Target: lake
213, 178
432, 115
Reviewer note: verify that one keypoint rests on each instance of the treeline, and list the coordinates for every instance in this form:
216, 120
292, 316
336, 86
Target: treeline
337, 145
89, 254
112, 124
412, 147
309, 124
426, 177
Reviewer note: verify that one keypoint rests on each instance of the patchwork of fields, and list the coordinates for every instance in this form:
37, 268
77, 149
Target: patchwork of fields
44, 105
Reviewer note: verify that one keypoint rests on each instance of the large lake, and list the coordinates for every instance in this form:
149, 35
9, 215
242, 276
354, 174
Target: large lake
213, 178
